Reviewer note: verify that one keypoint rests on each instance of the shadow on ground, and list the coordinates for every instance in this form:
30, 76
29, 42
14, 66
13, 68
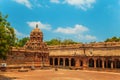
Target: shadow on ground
7, 78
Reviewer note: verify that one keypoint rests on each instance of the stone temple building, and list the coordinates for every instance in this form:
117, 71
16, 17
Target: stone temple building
34, 53
101, 55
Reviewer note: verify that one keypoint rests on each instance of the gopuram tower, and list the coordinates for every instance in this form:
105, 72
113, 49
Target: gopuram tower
37, 48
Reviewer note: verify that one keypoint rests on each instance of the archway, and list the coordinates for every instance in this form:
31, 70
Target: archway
72, 62
105, 63
61, 61
56, 61
117, 63
99, 63
81, 63
51, 61
91, 62
66, 62
109, 63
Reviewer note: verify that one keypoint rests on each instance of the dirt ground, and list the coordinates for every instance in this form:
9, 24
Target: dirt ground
61, 74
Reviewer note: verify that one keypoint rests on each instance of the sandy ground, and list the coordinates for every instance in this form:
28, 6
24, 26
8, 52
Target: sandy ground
61, 74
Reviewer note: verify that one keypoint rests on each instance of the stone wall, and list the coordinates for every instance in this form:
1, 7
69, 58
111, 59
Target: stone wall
86, 57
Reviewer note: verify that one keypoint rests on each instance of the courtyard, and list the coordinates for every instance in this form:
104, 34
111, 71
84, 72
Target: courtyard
61, 74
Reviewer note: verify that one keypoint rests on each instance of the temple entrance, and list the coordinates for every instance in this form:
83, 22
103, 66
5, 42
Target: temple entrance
66, 62
72, 62
61, 61
109, 64
56, 61
105, 65
99, 63
51, 61
91, 62
117, 63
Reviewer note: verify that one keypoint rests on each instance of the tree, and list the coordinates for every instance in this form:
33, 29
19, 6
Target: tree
59, 42
113, 39
68, 41
54, 42
22, 41
7, 36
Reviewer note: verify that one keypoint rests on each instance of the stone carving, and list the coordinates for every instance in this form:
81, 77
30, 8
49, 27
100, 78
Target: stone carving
36, 40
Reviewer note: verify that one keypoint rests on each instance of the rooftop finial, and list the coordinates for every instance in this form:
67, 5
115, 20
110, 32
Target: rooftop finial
36, 25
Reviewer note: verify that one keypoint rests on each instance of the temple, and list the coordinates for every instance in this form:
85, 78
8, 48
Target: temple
102, 55
34, 53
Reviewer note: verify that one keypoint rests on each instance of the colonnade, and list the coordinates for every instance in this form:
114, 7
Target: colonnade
113, 63
64, 62
93, 62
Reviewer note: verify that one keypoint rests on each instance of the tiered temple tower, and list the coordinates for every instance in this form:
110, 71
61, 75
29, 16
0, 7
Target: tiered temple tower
36, 41
37, 47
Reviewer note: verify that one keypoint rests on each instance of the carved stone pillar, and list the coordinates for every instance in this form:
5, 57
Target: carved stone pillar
85, 63
112, 64
64, 62
69, 62
94, 62
77, 63
58, 61
103, 62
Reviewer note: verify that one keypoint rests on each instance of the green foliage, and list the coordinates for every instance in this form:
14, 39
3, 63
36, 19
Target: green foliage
59, 42
68, 41
22, 41
7, 36
113, 39
53, 42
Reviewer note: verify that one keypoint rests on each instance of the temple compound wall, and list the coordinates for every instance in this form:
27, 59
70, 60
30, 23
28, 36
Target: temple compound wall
102, 55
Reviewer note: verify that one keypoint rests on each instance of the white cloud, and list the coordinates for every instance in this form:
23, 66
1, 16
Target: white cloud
19, 34
54, 1
69, 30
78, 32
32, 24
24, 2
83, 4
86, 37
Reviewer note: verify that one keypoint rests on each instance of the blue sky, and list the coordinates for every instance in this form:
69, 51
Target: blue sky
79, 20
